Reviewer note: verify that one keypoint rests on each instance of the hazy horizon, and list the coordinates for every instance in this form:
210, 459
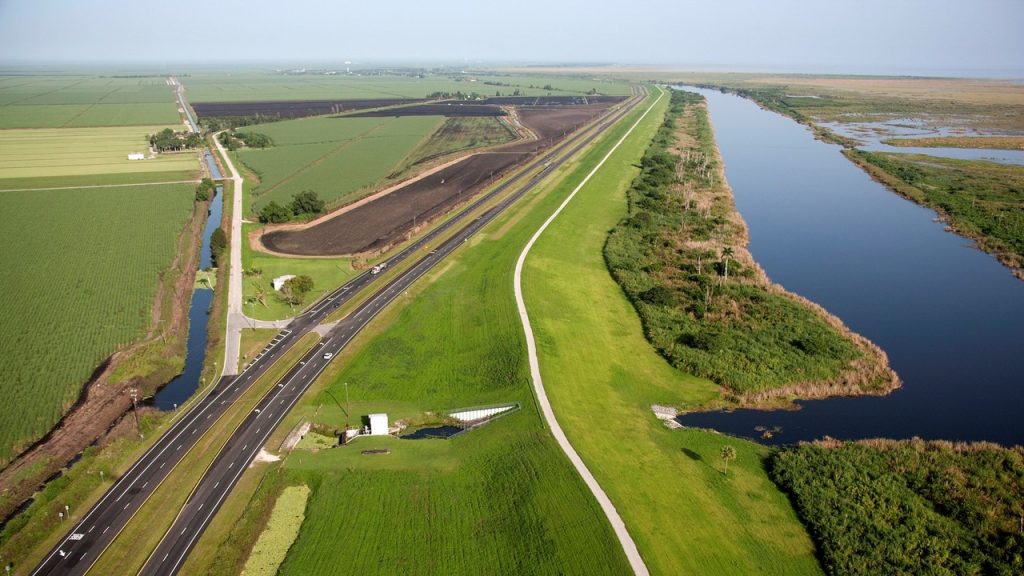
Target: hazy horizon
912, 37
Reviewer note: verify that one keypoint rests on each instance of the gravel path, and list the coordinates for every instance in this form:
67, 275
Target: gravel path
628, 546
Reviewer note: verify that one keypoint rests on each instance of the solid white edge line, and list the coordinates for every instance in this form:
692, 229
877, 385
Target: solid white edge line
628, 545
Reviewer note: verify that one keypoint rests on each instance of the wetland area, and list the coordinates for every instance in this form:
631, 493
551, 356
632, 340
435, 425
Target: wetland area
948, 315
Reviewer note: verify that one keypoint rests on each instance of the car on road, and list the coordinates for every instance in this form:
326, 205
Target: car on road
328, 355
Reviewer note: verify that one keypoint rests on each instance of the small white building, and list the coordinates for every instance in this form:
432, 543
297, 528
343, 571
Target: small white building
136, 156
378, 424
278, 282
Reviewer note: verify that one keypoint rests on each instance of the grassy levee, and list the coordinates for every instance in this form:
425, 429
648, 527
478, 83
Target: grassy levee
501, 499
129, 550
601, 375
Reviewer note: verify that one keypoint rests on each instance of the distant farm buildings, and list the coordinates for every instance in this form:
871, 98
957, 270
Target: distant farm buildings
136, 156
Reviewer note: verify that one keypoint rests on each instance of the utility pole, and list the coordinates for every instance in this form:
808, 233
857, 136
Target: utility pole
135, 408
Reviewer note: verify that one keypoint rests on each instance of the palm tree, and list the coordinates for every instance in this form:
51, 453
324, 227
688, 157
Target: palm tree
727, 253
728, 453
260, 294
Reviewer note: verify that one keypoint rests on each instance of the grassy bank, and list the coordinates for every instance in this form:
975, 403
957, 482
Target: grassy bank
909, 507
601, 375
983, 201
680, 256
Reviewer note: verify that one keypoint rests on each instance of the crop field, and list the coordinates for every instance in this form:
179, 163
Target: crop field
54, 152
377, 224
78, 101
685, 515
283, 527
75, 288
335, 157
266, 86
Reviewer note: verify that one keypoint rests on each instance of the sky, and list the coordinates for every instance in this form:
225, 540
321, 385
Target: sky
925, 37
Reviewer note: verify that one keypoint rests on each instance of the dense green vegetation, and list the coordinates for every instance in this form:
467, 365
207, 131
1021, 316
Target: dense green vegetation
913, 507
706, 309
981, 200
169, 140
340, 158
601, 375
255, 139
76, 288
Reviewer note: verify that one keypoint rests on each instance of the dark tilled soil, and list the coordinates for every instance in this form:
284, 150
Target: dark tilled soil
385, 221
292, 108
441, 109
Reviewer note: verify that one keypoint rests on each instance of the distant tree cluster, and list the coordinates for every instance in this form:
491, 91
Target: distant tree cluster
169, 140
303, 204
205, 190
255, 139
460, 95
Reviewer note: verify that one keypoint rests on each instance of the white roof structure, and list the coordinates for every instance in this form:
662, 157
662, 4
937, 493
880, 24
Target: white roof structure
378, 424
278, 282
136, 156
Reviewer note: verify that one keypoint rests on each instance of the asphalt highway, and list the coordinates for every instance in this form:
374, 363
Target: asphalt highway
80, 548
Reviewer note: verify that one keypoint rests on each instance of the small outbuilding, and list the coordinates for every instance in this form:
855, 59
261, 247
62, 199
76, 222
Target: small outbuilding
378, 424
278, 282
136, 156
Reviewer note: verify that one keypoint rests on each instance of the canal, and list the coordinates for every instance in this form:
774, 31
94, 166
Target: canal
175, 392
950, 317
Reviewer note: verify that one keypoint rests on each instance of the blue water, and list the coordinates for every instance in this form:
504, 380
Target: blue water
175, 392
436, 432
950, 317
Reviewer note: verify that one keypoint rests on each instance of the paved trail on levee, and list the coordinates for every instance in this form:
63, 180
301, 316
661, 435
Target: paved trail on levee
628, 546
236, 320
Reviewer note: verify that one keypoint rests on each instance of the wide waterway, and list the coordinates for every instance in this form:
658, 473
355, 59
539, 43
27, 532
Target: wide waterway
950, 317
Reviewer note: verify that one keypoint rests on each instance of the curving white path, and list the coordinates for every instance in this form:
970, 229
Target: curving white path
628, 546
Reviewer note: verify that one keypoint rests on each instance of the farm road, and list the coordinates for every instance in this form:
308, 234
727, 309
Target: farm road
628, 546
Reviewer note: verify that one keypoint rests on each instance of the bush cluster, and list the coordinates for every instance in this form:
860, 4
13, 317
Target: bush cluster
909, 507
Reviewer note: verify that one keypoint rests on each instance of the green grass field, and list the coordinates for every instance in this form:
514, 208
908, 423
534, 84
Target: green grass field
601, 375
273, 544
56, 152
77, 101
266, 86
327, 274
338, 158
76, 286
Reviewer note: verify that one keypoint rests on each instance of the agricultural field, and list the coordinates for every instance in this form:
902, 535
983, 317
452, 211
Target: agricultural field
62, 152
685, 513
76, 290
253, 86
338, 158
80, 101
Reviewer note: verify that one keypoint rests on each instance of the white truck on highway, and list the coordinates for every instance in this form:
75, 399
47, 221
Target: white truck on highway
379, 268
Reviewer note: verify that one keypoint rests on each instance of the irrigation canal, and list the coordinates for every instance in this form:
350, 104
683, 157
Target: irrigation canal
181, 388
950, 317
